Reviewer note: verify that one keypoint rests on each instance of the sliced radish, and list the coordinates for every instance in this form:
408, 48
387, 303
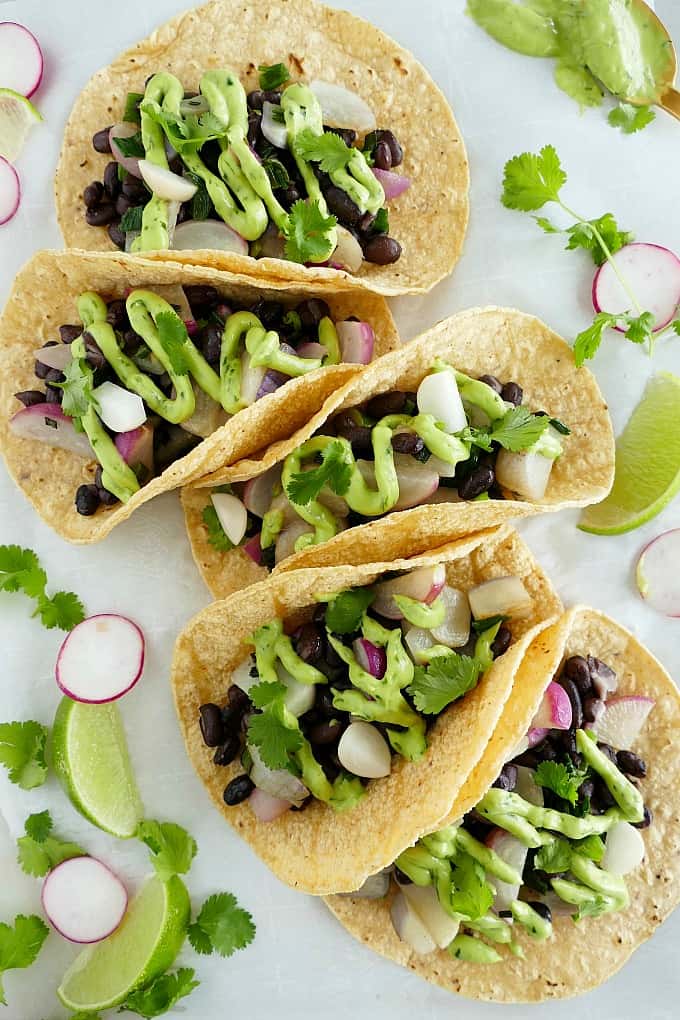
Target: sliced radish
273, 130
653, 273
418, 641
125, 129
534, 737
118, 408
624, 849
136, 447
267, 808
253, 548
622, 720
299, 697
277, 783
357, 341
10, 190
101, 659
364, 752
311, 350
444, 469
417, 482
513, 853
526, 474
554, 712
209, 234
22, 59
348, 253
423, 585
409, 927
438, 395
208, 415
84, 900
370, 657
285, 543
342, 108
56, 356
423, 899
232, 515
527, 787
393, 184
455, 630
375, 887
501, 596
258, 492
48, 424
657, 573
165, 183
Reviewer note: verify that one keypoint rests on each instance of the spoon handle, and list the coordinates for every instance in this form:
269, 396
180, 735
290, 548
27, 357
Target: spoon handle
670, 102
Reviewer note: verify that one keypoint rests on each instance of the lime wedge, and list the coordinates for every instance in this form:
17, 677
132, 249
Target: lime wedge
647, 474
144, 946
17, 117
90, 757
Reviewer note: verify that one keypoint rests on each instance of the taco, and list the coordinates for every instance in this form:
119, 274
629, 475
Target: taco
363, 695
481, 419
280, 139
163, 373
574, 840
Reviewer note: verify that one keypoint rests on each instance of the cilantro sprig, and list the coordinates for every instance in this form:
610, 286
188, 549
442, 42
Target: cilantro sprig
217, 537
307, 233
328, 150
562, 777
20, 570
273, 739
445, 679
222, 926
517, 430
38, 850
22, 752
20, 944
631, 118
272, 76
160, 996
333, 471
344, 612
172, 847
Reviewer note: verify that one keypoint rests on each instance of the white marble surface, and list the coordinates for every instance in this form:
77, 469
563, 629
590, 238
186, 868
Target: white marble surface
302, 964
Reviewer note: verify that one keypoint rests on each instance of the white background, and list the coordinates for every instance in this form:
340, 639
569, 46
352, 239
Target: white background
303, 965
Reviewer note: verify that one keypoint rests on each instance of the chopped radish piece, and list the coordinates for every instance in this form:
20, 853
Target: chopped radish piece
501, 596
267, 808
417, 482
22, 59
444, 469
165, 183
258, 491
273, 130
342, 108
357, 341
57, 356
118, 408
299, 697
624, 849
409, 926
527, 787
277, 783
193, 235
423, 899
285, 543
526, 474
418, 641
423, 585
48, 424
348, 253
375, 887
534, 737
438, 395
370, 657
653, 274
232, 515
251, 379
393, 184
513, 853
10, 190
126, 129
622, 720
657, 574
101, 659
455, 630
84, 900
554, 712
311, 350
253, 548
364, 752
136, 447
208, 415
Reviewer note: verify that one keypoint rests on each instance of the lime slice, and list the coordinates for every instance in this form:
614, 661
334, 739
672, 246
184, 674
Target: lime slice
144, 946
90, 757
647, 474
17, 117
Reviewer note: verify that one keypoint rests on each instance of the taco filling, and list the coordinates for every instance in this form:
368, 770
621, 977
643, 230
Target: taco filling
556, 834
321, 707
456, 439
287, 171
139, 383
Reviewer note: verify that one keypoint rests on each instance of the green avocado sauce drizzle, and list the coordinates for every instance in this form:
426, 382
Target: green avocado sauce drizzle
458, 866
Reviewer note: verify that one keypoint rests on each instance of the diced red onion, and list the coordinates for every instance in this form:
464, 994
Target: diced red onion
253, 549
192, 326
357, 341
271, 381
136, 447
372, 658
393, 184
48, 424
267, 808
124, 129
224, 311
58, 356
535, 735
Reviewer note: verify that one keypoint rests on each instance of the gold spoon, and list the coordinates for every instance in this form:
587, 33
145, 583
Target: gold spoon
669, 96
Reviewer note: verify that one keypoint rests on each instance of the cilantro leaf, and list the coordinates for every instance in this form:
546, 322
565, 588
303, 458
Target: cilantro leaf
563, 778
675, 326
272, 75
307, 233
583, 235
273, 739
132, 218
479, 626
276, 172
443, 680
20, 945
174, 339
328, 150
591, 908
345, 611
472, 895
39, 852
132, 146
77, 388
185, 133
519, 429
216, 534
131, 114
172, 848
589, 339
333, 471
266, 693
39, 826
592, 847
223, 925
22, 752
640, 328
381, 223
20, 570
554, 857
631, 118
64, 610
531, 180
547, 226
161, 995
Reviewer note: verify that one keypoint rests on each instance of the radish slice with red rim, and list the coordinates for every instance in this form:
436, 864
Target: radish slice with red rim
48, 424
84, 900
267, 808
356, 340
10, 191
253, 549
372, 658
423, 585
514, 853
136, 447
208, 234
342, 108
657, 574
101, 659
231, 514
622, 720
554, 712
393, 184
56, 356
653, 273
165, 183
21, 59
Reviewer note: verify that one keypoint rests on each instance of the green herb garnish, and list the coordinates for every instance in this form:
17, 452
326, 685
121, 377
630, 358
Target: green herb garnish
22, 752
20, 570
221, 926
334, 471
307, 233
272, 75
39, 851
20, 945
631, 118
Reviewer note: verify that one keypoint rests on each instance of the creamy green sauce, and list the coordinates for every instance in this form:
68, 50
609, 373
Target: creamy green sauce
613, 42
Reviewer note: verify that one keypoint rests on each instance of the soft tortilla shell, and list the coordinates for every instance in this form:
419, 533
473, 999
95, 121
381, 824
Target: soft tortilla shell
505, 342
429, 219
559, 967
44, 296
318, 850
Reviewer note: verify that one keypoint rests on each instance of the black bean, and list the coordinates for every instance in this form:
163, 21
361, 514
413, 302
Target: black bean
116, 234
102, 215
289, 196
502, 641
383, 156
107, 498
123, 204
310, 643
567, 739
211, 344
631, 764
608, 751
541, 908
53, 375
545, 751
513, 393
53, 395
201, 295
576, 668
212, 727
358, 435
238, 699
111, 182
601, 796
575, 698
93, 354
365, 225
272, 96
602, 676
342, 206
256, 99
134, 189
30, 397
493, 382
225, 754
312, 311
93, 194
479, 481
254, 125
323, 703
407, 442
326, 732
348, 135
238, 790
69, 333
382, 250
396, 151
270, 313
592, 709
646, 820
507, 779
245, 721
116, 314
40, 369
100, 140
176, 165
87, 500
386, 403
